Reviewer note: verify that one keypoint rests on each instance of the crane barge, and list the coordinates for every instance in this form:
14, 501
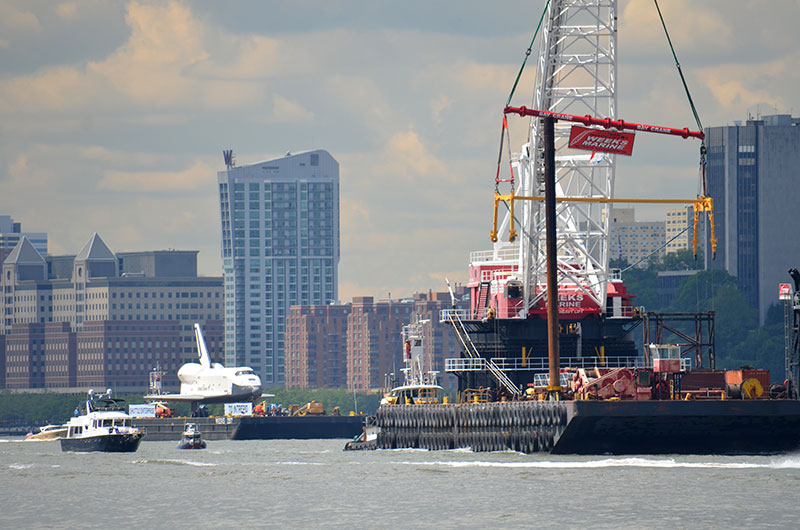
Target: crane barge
548, 361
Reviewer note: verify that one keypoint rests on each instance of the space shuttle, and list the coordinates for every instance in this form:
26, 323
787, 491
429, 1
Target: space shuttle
207, 382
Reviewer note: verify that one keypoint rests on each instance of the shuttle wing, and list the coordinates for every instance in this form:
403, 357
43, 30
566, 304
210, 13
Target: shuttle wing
181, 397
202, 398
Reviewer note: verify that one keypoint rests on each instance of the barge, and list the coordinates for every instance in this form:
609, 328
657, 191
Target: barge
549, 333
729, 427
255, 427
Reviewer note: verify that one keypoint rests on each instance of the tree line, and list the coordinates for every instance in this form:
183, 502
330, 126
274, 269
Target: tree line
18, 408
740, 340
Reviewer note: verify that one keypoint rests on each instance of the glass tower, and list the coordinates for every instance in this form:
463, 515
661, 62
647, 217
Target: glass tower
752, 177
280, 247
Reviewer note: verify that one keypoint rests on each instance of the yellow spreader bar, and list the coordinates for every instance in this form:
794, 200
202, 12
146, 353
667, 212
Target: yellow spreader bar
701, 204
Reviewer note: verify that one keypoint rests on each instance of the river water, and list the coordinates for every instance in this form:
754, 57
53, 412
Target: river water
314, 484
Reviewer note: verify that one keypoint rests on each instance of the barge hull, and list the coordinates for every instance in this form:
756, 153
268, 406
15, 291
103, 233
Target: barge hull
297, 427
729, 427
255, 427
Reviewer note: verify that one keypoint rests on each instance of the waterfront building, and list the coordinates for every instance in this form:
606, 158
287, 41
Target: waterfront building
679, 227
316, 346
638, 242
280, 247
104, 320
10, 234
752, 176
374, 341
328, 346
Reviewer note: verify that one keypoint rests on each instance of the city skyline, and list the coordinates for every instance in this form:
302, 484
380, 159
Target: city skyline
115, 115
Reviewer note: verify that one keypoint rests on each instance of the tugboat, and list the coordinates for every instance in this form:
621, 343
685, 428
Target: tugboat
103, 426
191, 438
420, 387
368, 439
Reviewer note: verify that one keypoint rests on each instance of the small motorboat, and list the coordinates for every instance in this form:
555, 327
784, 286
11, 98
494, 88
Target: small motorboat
48, 432
191, 438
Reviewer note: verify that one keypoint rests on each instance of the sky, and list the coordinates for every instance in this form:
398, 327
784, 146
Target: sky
114, 115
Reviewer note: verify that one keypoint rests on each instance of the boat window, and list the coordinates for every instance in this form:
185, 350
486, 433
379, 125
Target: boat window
108, 423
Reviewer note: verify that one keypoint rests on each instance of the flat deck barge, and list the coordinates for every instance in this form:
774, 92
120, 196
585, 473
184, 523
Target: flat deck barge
255, 427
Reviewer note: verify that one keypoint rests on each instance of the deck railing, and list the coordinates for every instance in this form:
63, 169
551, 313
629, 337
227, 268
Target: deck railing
541, 364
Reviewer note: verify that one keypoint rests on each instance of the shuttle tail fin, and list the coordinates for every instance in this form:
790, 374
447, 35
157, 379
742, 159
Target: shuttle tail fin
202, 351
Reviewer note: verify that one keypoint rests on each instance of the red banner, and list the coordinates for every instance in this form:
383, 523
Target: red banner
606, 141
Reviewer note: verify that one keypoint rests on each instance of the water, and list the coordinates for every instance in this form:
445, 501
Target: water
313, 483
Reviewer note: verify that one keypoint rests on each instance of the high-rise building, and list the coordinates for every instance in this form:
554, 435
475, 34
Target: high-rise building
11, 233
753, 174
280, 247
635, 241
679, 228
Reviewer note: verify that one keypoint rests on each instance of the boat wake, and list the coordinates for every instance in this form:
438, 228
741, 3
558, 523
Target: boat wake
787, 462
174, 462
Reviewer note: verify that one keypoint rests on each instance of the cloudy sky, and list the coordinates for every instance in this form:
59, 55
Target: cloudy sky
114, 115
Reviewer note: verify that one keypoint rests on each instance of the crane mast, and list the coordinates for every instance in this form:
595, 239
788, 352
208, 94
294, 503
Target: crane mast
577, 72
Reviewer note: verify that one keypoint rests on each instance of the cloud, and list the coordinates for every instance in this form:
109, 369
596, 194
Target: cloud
691, 26
288, 111
195, 178
411, 160
739, 86
67, 9
16, 22
155, 69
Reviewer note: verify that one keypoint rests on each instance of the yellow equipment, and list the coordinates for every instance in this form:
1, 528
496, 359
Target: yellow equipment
752, 389
310, 408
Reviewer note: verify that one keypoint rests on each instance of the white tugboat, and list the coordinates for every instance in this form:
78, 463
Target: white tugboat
419, 387
103, 426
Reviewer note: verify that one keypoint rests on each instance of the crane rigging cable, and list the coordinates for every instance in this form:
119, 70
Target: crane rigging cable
527, 53
504, 130
688, 96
